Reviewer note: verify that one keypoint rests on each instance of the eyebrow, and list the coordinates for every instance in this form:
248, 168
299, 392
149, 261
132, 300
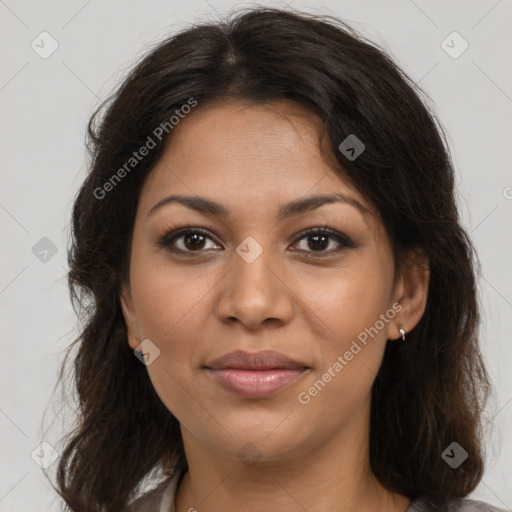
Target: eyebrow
302, 205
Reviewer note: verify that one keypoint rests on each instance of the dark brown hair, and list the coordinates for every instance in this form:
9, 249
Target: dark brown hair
430, 390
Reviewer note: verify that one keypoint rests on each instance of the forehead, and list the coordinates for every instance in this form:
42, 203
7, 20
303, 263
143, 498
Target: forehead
268, 136
239, 149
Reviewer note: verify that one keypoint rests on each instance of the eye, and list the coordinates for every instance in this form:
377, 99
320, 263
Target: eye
319, 239
191, 240
185, 240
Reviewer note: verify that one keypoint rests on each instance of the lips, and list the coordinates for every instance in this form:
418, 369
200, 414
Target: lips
264, 360
255, 375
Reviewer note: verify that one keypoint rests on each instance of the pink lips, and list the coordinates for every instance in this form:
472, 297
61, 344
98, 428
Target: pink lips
255, 375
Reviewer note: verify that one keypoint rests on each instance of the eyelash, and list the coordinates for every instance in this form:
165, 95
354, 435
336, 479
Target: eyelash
344, 242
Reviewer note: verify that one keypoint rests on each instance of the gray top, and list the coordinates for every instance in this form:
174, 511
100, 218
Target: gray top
161, 499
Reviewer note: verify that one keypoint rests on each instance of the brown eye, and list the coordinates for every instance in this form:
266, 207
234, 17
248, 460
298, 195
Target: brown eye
186, 240
193, 241
319, 240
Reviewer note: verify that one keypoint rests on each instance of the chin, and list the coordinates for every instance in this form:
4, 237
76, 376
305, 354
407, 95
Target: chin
274, 437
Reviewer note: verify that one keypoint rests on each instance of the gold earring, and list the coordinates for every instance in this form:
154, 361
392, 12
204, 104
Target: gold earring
402, 333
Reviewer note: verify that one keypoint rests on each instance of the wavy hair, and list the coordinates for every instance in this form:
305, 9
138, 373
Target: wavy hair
429, 392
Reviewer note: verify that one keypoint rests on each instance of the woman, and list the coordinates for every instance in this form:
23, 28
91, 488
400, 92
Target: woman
278, 298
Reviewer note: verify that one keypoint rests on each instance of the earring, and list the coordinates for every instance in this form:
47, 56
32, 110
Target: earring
402, 333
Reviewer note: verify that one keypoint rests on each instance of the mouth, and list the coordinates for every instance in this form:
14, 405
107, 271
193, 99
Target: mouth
255, 375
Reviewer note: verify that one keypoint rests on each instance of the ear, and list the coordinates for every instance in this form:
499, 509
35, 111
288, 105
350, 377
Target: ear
411, 291
130, 318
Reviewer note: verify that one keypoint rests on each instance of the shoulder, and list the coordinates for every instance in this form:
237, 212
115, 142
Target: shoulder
465, 504
153, 500
455, 505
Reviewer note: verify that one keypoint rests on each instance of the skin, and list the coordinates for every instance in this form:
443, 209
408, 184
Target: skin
313, 456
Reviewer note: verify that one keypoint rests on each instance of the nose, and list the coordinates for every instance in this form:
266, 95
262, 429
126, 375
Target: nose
255, 292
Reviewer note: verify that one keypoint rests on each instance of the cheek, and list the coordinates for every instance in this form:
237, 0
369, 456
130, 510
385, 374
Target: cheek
349, 355
349, 300
347, 309
167, 314
166, 299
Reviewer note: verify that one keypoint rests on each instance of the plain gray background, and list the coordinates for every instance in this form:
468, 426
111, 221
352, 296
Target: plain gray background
46, 102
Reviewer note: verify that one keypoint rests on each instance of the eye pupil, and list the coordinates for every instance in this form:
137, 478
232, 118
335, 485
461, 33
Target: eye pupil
316, 238
198, 240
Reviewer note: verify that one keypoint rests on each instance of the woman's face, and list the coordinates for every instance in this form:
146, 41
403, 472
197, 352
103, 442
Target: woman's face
251, 281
